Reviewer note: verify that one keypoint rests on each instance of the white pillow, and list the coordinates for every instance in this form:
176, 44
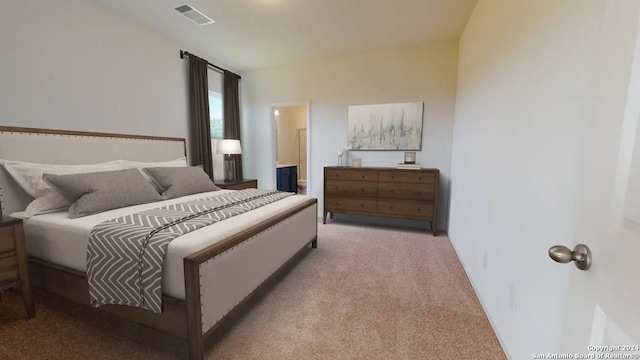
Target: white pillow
128, 164
29, 177
51, 202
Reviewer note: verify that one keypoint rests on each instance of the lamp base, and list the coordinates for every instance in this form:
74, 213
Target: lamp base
229, 168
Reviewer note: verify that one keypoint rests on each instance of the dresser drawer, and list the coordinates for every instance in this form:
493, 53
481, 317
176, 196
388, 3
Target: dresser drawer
349, 174
409, 209
408, 176
9, 269
416, 191
335, 203
352, 188
7, 239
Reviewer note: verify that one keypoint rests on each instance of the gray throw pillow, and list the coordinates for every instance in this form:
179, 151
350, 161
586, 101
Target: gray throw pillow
91, 193
175, 182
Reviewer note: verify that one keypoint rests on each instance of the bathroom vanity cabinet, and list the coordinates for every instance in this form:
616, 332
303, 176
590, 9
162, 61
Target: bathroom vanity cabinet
287, 178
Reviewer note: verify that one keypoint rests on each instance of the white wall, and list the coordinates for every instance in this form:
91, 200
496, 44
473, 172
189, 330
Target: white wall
426, 73
75, 65
524, 82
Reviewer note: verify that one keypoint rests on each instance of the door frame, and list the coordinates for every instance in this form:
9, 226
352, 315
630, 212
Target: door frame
274, 140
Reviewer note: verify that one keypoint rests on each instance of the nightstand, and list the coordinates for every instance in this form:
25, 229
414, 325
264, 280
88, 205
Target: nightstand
14, 265
238, 184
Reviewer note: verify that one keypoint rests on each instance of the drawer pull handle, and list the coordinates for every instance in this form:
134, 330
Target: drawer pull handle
362, 189
363, 176
361, 205
419, 178
418, 209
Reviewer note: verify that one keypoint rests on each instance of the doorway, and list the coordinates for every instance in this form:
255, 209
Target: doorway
291, 151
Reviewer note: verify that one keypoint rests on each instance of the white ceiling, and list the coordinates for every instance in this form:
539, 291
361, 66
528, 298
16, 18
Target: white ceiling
250, 34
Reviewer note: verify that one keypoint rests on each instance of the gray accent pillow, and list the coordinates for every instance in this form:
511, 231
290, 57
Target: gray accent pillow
175, 182
91, 193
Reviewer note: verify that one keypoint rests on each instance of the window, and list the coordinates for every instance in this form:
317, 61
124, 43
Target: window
215, 115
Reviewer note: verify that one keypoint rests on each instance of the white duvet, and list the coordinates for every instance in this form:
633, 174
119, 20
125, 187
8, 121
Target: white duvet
59, 240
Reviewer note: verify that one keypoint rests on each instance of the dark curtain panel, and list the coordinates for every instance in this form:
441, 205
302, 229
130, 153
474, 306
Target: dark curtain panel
231, 100
200, 123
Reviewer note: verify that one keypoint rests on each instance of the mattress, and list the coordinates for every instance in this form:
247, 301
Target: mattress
57, 239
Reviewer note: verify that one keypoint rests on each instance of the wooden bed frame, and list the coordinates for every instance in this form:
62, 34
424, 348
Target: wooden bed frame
180, 318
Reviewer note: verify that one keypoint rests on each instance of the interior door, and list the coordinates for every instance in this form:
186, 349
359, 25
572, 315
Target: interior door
603, 305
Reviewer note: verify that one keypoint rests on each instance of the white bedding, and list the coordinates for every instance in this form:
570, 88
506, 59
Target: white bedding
57, 239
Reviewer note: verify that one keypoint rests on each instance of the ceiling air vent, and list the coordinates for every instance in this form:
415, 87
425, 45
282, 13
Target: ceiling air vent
194, 15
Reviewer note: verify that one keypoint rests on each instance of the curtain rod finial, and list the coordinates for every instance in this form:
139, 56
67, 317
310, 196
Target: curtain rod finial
181, 54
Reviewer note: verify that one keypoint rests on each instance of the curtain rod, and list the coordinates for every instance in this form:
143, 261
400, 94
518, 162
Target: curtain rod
186, 53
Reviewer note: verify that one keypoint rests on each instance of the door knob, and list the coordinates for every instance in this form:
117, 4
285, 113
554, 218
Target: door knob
580, 254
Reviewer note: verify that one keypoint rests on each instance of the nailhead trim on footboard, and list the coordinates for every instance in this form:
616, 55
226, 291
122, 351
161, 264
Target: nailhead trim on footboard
309, 212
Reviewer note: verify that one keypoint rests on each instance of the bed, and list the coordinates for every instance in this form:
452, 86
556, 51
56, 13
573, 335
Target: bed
209, 275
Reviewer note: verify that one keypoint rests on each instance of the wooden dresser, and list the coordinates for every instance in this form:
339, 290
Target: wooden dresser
387, 192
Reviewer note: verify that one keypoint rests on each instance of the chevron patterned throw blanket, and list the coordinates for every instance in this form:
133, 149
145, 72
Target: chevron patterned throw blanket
125, 255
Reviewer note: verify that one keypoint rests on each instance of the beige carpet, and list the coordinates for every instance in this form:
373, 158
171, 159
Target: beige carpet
365, 293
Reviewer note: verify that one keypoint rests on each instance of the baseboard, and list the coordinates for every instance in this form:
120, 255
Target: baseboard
484, 308
378, 220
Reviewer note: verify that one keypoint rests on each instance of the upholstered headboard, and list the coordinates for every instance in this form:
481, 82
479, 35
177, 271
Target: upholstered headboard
74, 147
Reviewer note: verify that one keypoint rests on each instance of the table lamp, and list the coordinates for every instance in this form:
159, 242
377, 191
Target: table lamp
229, 147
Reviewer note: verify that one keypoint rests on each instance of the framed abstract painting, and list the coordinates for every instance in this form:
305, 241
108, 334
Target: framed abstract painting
386, 126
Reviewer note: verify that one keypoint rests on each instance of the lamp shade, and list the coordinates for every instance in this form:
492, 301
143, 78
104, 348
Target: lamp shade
229, 146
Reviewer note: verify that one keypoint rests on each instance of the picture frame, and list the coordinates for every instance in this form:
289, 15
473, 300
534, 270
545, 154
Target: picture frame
385, 127
410, 157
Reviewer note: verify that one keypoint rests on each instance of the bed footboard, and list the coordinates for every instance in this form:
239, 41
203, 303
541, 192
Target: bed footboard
221, 278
